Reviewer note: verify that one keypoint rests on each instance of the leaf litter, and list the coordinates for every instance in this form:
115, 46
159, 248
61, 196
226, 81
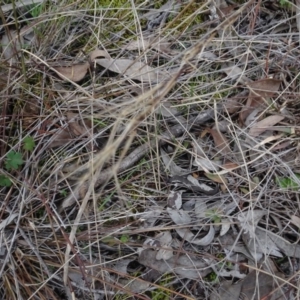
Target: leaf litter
182, 140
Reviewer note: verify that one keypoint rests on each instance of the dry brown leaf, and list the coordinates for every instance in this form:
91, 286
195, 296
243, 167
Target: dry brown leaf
227, 291
75, 72
230, 165
264, 125
232, 105
220, 141
132, 69
260, 91
75, 127
258, 286
67, 134
265, 88
98, 53
60, 138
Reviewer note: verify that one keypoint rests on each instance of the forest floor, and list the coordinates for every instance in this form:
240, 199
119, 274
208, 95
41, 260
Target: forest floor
149, 151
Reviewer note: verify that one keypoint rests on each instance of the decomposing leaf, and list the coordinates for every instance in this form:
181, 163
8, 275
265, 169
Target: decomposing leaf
150, 217
201, 187
67, 134
181, 217
221, 142
175, 199
75, 72
236, 73
132, 69
264, 125
265, 88
225, 226
287, 248
249, 220
227, 291
201, 160
171, 165
166, 251
256, 285
261, 244
162, 243
232, 105
264, 284
186, 266
260, 91
200, 209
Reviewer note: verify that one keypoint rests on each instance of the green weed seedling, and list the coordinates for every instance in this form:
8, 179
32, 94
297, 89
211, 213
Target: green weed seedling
288, 183
14, 160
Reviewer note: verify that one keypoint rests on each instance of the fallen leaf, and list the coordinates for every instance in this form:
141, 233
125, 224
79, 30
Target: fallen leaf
260, 91
264, 125
232, 105
225, 226
98, 53
227, 291
186, 266
258, 285
175, 199
171, 166
216, 178
264, 88
75, 72
181, 217
230, 166
132, 69
295, 220
220, 141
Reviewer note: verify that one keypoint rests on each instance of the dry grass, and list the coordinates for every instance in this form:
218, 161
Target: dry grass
75, 218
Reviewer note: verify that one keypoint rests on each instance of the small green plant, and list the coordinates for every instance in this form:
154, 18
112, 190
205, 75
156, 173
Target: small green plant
29, 143
288, 182
284, 3
124, 238
160, 294
36, 10
214, 214
13, 160
4, 181
211, 277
